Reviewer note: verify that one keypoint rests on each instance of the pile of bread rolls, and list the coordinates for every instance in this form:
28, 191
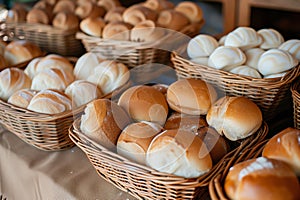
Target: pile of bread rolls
52, 84
274, 175
181, 129
247, 52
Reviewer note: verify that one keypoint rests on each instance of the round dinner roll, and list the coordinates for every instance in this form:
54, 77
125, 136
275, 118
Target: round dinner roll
191, 10
201, 46
252, 56
65, 21
271, 38
103, 121
261, 178
138, 13
146, 31
92, 26
68, 6
200, 60
50, 101
275, 61
22, 97
52, 78
235, 117
115, 14
285, 146
278, 75
145, 103
16, 15
292, 46
38, 15
245, 70
172, 19
135, 139
12, 80
179, 152
117, 30
82, 92
191, 96
89, 9
19, 51
243, 38
226, 57
108, 4
158, 5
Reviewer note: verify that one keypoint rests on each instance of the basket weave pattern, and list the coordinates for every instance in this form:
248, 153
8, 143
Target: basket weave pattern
295, 89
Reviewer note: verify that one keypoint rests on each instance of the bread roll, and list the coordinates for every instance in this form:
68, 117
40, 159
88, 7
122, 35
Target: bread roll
66, 21
285, 146
109, 4
50, 102
146, 31
278, 75
222, 40
82, 92
43, 5
191, 96
86, 64
252, 56
117, 30
40, 16
243, 37
172, 19
135, 139
161, 88
245, 70
271, 38
52, 78
292, 46
115, 14
158, 5
22, 97
3, 63
144, 103
261, 178
92, 26
109, 75
138, 13
103, 120
200, 60
16, 14
12, 80
234, 117
67, 6
179, 152
89, 9
201, 45
19, 51
226, 57
276, 61
3, 45
191, 10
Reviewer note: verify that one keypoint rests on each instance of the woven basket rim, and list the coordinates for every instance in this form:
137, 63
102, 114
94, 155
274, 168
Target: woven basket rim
295, 89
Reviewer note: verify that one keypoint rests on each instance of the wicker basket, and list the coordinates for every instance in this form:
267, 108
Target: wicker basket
47, 37
146, 183
295, 89
271, 95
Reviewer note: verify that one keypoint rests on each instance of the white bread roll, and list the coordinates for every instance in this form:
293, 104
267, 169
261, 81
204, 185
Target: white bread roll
146, 31
68, 6
271, 38
235, 117
89, 9
82, 92
200, 60
245, 71
278, 75
292, 46
92, 26
261, 178
65, 21
201, 46
86, 64
285, 146
22, 97
109, 75
226, 57
115, 14
52, 78
275, 61
222, 40
172, 19
50, 102
179, 152
144, 103
19, 51
252, 56
243, 37
38, 15
12, 80
191, 96
135, 139
109, 4
158, 5
117, 30
31, 68
138, 13
103, 120
191, 10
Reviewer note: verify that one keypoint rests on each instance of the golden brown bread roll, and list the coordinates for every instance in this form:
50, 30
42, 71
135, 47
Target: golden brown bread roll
172, 19
89, 9
158, 5
64, 6
138, 13
261, 178
40, 16
115, 14
117, 30
108, 4
93, 26
22, 97
146, 31
16, 14
285, 146
103, 120
191, 10
66, 21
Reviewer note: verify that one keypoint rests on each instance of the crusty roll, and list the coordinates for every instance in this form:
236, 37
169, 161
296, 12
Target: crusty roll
191, 96
52, 78
12, 80
66, 21
82, 92
191, 10
235, 117
172, 19
138, 13
68, 6
144, 103
103, 120
89, 9
135, 139
158, 5
50, 102
179, 152
117, 30
22, 97
252, 56
108, 4
19, 51
38, 15
92, 26
115, 14
261, 178
271, 38
146, 31
285, 146
292, 46
201, 45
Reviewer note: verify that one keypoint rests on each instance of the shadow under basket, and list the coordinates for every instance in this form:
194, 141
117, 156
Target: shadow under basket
143, 182
295, 89
272, 95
